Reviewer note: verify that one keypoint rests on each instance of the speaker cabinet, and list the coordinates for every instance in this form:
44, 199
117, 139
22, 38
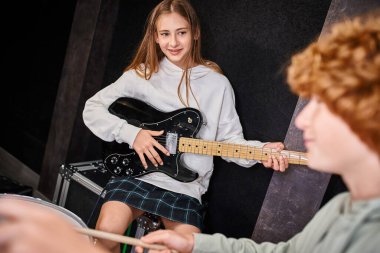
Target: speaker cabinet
79, 189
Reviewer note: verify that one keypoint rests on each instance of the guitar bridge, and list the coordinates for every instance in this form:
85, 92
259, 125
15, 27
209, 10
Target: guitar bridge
171, 142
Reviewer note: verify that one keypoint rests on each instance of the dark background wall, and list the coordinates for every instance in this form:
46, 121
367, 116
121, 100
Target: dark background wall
34, 35
251, 41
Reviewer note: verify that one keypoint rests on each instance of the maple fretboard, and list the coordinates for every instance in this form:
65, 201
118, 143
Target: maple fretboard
214, 148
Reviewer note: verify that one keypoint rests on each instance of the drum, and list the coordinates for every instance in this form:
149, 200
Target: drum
70, 216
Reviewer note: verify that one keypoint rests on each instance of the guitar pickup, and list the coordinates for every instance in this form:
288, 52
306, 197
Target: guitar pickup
185, 126
171, 142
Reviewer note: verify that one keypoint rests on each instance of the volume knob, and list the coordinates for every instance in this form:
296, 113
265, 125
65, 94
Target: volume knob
125, 161
114, 160
117, 170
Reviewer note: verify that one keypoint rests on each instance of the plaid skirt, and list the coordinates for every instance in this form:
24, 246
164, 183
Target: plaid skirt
155, 200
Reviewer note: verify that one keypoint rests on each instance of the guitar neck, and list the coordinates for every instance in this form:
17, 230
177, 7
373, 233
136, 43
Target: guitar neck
214, 148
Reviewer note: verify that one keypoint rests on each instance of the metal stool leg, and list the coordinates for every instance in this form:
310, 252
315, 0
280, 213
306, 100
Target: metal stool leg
146, 223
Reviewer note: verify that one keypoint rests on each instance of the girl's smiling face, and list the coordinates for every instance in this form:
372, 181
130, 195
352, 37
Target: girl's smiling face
173, 35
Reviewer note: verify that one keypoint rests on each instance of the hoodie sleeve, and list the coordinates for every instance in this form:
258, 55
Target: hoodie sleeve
101, 122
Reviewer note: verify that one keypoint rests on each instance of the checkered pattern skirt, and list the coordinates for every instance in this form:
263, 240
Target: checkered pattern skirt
152, 199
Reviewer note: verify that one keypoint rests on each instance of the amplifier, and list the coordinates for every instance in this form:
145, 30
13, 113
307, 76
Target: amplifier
79, 189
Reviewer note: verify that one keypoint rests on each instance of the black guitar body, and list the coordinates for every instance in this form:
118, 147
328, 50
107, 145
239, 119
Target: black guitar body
184, 122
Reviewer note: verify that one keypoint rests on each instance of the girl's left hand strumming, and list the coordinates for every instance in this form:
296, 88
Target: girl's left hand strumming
277, 163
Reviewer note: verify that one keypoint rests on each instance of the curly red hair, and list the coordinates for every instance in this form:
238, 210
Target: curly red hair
342, 68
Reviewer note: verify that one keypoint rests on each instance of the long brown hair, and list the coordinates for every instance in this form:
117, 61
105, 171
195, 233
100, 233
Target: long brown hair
148, 55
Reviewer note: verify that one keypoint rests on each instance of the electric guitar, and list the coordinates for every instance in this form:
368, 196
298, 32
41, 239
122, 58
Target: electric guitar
180, 129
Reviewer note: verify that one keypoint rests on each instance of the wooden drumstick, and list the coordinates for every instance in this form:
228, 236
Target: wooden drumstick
120, 238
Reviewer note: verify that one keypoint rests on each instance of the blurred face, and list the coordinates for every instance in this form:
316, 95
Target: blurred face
331, 145
174, 38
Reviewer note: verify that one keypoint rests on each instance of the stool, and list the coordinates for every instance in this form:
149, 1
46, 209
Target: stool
146, 223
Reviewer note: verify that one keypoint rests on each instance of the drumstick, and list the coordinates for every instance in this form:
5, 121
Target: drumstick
120, 238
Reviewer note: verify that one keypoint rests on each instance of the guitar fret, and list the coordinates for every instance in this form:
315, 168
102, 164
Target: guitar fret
193, 146
200, 145
236, 151
213, 148
230, 152
204, 147
245, 152
224, 150
220, 149
216, 149
209, 148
